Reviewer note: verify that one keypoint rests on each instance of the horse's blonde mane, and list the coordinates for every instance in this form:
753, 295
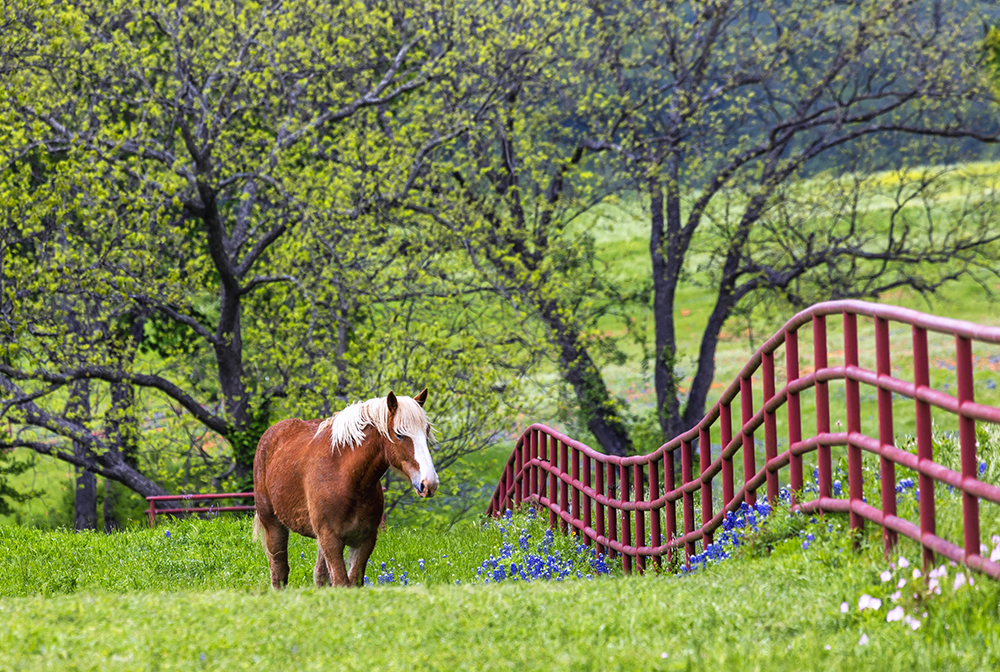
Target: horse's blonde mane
347, 428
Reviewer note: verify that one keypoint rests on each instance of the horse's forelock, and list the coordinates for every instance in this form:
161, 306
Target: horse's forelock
347, 428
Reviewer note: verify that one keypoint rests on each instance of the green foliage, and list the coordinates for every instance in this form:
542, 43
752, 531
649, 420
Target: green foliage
10, 467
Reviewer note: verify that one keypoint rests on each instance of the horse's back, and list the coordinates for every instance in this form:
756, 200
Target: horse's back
280, 452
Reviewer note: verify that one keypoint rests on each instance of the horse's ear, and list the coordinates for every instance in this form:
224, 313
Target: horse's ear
421, 398
391, 402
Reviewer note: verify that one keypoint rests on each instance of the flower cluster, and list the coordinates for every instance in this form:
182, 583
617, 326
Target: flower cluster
901, 577
736, 527
518, 562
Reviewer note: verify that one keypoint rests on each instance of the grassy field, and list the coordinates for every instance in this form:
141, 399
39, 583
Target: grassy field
199, 599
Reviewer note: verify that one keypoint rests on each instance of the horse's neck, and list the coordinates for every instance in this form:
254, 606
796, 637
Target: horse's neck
370, 463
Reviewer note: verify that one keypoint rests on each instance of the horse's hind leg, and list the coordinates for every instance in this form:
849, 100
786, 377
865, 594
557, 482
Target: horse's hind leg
276, 545
358, 558
321, 572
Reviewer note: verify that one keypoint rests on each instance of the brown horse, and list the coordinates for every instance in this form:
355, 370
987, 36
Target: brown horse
321, 479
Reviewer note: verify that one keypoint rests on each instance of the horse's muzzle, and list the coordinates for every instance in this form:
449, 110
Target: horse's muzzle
426, 488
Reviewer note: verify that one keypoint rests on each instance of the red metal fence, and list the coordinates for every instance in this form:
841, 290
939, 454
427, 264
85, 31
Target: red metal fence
211, 508
593, 492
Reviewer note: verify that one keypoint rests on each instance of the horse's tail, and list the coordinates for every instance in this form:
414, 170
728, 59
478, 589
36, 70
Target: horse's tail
257, 528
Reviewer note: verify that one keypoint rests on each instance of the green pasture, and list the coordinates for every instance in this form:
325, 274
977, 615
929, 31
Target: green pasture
199, 599
620, 234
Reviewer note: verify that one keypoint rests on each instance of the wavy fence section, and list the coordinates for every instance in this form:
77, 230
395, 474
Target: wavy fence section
609, 499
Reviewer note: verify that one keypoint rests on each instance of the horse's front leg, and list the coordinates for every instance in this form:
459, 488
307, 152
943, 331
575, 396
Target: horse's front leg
359, 560
332, 548
321, 572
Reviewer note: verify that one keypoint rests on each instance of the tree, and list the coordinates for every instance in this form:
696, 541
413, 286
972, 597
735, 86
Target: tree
179, 168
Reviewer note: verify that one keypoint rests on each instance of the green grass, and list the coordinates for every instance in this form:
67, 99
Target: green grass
200, 600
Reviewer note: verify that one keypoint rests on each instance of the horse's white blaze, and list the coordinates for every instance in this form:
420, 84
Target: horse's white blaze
422, 454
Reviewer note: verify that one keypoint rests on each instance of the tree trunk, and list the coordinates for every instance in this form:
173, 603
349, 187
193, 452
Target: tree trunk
85, 484
596, 406
85, 501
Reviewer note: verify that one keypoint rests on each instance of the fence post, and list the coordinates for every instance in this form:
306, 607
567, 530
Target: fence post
599, 477
587, 522
563, 486
638, 486
705, 458
670, 510
612, 512
533, 469
726, 437
626, 528
553, 482
967, 442
655, 538
925, 444
770, 429
855, 474
824, 465
887, 468
519, 470
688, 499
794, 415
575, 495
749, 458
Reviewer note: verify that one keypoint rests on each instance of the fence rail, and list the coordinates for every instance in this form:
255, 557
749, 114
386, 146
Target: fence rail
211, 508
593, 493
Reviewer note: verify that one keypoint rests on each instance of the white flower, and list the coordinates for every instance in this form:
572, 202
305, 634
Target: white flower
939, 572
932, 584
863, 601
903, 562
885, 576
914, 624
995, 555
995, 539
959, 580
664, 654
844, 607
895, 596
827, 647
902, 582
972, 581
875, 604
863, 640
916, 573
894, 615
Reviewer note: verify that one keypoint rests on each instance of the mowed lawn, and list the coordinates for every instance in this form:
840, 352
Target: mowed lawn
199, 599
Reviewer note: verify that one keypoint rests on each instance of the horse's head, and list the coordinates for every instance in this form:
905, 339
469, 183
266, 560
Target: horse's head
408, 449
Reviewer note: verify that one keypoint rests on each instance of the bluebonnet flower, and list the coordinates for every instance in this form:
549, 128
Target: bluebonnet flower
167, 534
421, 563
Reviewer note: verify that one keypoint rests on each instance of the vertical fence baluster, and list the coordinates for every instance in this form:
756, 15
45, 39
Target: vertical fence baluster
586, 499
654, 514
638, 481
749, 458
599, 513
563, 486
575, 495
794, 414
824, 463
967, 442
770, 429
670, 510
626, 528
509, 485
925, 444
705, 459
610, 470
726, 437
854, 471
887, 468
533, 469
688, 499
553, 482
519, 471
